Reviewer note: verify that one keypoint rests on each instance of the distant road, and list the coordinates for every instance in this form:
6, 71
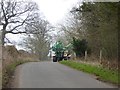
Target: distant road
54, 75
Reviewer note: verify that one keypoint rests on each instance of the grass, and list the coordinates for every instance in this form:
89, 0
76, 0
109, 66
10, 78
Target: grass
9, 71
102, 73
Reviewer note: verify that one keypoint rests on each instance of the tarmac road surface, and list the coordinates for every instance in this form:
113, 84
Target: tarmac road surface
54, 75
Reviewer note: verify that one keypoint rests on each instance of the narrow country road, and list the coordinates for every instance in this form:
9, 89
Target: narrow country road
54, 75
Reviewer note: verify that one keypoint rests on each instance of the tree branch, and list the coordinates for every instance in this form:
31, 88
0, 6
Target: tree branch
19, 32
19, 25
1, 23
14, 22
10, 16
8, 40
4, 14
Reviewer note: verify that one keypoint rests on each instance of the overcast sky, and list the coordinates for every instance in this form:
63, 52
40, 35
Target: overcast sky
55, 10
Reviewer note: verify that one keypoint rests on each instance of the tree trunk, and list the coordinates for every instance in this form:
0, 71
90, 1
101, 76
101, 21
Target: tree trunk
3, 37
3, 34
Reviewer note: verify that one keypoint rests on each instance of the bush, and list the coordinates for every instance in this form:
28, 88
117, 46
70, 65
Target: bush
80, 46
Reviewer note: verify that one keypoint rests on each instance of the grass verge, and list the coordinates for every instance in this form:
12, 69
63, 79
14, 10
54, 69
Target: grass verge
9, 71
102, 73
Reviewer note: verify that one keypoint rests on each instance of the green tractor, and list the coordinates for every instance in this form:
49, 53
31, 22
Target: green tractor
60, 52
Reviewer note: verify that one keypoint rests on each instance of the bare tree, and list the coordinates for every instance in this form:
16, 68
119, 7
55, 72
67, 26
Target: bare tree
38, 43
14, 15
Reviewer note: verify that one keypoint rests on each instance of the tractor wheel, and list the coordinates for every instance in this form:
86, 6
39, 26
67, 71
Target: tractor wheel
54, 59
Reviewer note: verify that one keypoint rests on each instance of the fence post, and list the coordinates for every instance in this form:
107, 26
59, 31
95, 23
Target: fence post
85, 55
108, 64
74, 56
100, 56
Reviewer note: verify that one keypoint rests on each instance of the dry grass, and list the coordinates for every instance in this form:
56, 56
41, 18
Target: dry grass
11, 58
92, 60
